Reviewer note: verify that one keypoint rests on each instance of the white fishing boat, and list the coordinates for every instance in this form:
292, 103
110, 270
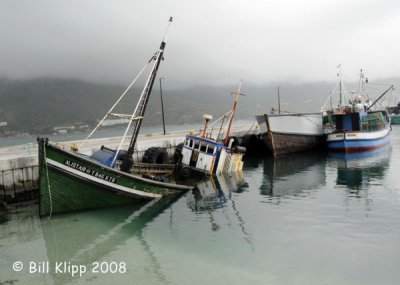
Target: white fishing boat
203, 153
292, 132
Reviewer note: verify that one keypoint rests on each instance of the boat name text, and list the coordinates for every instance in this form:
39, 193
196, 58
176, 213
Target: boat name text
89, 171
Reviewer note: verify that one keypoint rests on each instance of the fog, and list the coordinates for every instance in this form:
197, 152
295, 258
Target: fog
210, 42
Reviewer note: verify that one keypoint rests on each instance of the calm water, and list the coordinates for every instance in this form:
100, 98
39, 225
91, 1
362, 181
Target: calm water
302, 219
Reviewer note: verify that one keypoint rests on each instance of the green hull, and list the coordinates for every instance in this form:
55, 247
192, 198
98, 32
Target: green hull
70, 182
395, 119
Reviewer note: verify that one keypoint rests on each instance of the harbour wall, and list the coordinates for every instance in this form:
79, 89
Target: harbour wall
19, 175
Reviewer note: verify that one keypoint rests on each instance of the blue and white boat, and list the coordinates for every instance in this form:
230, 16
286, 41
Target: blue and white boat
357, 127
359, 131
203, 153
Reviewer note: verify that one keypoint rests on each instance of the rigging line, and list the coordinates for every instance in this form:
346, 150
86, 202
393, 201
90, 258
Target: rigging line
155, 57
346, 93
116, 103
227, 113
251, 127
330, 95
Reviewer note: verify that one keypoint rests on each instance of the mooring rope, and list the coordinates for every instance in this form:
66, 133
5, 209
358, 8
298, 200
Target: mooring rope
48, 180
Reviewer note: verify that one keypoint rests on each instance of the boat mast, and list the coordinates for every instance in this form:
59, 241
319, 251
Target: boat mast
237, 93
340, 85
144, 98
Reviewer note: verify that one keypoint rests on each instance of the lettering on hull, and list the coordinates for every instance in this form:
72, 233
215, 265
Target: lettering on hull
89, 171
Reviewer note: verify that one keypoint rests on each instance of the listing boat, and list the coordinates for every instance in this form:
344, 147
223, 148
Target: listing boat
70, 180
207, 155
292, 132
357, 127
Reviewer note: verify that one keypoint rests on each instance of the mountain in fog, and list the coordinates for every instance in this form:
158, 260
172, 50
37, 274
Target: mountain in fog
38, 105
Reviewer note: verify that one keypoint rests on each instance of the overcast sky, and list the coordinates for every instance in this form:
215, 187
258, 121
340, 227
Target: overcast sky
210, 42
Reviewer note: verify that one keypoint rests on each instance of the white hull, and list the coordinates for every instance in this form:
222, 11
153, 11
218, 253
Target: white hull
297, 124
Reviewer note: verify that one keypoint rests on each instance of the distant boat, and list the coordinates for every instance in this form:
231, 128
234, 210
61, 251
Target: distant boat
71, 181
292, 132
203, 154
394, 114
395, 119
357, 128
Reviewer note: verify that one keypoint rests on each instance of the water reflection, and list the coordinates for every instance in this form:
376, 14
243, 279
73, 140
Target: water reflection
214, 192
292, 175
357, 171
84, 238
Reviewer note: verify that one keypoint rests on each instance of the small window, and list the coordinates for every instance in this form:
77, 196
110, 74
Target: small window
210, 149
190, 143
196, 145
187, 142
203, 147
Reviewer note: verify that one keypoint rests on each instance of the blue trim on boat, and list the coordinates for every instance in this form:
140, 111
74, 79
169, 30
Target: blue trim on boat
209, 141
349, 144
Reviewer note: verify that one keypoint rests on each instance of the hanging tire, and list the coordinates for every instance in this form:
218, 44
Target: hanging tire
155, 155
185, 172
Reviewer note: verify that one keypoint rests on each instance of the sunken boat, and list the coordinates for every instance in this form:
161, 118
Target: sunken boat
70, 180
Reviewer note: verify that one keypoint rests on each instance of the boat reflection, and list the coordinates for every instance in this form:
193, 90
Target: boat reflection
358, 170
214, 192
83, 238
292, 175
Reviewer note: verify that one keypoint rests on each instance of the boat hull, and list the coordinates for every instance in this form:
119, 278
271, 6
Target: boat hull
280, 144
358, 141
290, 133
395, 119
70, 182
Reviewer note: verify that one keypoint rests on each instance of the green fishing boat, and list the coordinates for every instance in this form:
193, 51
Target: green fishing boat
394, 112
395, 119
71, 181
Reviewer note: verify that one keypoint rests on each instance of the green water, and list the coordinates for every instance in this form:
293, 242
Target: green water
302, 219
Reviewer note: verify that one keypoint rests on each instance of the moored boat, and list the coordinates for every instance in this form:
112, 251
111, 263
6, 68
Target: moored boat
292, 132
395, 119
70, 180
394, 114
359, 131
357, 127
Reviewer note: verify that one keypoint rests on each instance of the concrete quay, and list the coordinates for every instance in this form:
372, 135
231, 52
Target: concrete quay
19, 164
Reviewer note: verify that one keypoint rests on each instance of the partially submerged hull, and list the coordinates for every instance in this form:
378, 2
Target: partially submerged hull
358, 141
289, 133
280, 143
71, 182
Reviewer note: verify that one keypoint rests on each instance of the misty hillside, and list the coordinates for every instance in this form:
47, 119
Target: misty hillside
38, 105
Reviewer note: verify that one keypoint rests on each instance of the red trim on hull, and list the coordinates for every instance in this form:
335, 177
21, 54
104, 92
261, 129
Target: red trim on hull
359, 149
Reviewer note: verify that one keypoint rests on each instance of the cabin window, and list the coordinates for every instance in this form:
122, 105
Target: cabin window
190, 143
203, 147
210, 149
196, 145
187, 142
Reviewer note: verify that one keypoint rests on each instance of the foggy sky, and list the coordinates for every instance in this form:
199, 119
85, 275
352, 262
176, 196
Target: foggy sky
210, 42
